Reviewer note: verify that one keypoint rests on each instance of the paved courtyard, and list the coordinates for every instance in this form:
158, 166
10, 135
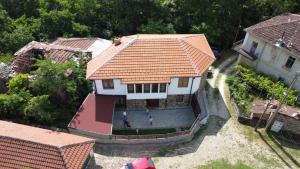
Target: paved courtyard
162, 118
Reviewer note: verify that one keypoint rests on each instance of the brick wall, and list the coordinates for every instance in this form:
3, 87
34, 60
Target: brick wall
289, 123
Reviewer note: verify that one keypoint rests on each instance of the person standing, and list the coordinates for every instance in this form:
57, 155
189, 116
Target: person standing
125, 115
150, 120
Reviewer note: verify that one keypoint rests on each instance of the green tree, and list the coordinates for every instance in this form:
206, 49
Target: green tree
41, 109
65, 91
156, 27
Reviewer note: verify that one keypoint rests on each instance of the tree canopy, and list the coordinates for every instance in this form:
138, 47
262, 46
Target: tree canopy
220, 20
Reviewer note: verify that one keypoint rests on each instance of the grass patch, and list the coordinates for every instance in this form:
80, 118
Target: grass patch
144, 131
6, 58
224, 164
164, 151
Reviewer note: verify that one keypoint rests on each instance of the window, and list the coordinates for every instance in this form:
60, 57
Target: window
138, 88
179, 98
108, 84
154, 88
289, 63
130, 88
146, 88
253, 48
183, 82
162, 88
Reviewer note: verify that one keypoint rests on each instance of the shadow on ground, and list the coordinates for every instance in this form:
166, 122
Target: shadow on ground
215, 123
275, 144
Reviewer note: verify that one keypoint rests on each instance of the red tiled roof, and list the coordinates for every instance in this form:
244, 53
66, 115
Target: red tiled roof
24, 146
95, 115
82, 43
271, 30
153, 59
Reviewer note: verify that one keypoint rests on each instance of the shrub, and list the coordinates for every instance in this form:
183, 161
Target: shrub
238, 91
12, 105
18, 83
40, 108
267, 85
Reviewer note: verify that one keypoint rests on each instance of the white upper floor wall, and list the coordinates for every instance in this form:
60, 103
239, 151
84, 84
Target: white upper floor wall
272, 60
171, 89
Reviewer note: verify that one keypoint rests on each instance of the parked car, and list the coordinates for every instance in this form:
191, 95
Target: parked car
142, 163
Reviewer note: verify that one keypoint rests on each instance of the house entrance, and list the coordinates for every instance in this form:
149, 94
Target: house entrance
121, 102
152, 103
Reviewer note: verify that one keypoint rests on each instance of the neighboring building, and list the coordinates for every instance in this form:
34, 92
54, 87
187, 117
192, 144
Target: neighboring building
61, 50
24, 146
273, 47
152, 70
143, 71
288, 116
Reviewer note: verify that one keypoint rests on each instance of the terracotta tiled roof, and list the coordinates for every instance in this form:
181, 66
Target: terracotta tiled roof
271, 30
24, 146
82, 43
153, 58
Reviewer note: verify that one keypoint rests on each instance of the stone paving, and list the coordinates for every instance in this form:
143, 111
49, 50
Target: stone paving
162, 118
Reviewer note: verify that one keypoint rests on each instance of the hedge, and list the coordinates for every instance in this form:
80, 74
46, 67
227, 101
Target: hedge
267, 85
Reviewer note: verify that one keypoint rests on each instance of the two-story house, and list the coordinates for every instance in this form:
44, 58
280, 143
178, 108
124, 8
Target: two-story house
273, 47
152, 70
143, 71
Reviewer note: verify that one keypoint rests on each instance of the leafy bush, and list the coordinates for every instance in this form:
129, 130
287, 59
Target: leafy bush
267, 85
6, 58
238, 91
12, 105
41, 109
18, 83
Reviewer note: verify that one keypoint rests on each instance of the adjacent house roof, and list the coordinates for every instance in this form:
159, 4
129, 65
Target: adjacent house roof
82, 43
25, 146
149, 58
59, 51
273, 29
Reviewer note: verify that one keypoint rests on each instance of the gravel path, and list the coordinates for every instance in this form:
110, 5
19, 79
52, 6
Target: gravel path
221, 139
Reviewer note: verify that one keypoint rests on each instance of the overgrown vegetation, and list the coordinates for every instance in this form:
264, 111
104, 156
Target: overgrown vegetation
47, 95
224, 164
246, 84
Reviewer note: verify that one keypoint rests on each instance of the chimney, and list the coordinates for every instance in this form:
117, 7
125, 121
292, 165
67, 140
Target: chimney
117, 41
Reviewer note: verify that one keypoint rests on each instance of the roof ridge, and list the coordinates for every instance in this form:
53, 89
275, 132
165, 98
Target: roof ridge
76, 144
198, 48
65, 161
181, 41
30, 141
123, 48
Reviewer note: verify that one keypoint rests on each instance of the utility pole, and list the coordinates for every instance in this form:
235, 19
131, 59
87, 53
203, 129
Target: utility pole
262, 115
273, 115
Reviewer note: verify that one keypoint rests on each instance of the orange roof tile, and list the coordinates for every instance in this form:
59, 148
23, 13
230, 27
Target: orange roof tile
24, 146
153, 58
